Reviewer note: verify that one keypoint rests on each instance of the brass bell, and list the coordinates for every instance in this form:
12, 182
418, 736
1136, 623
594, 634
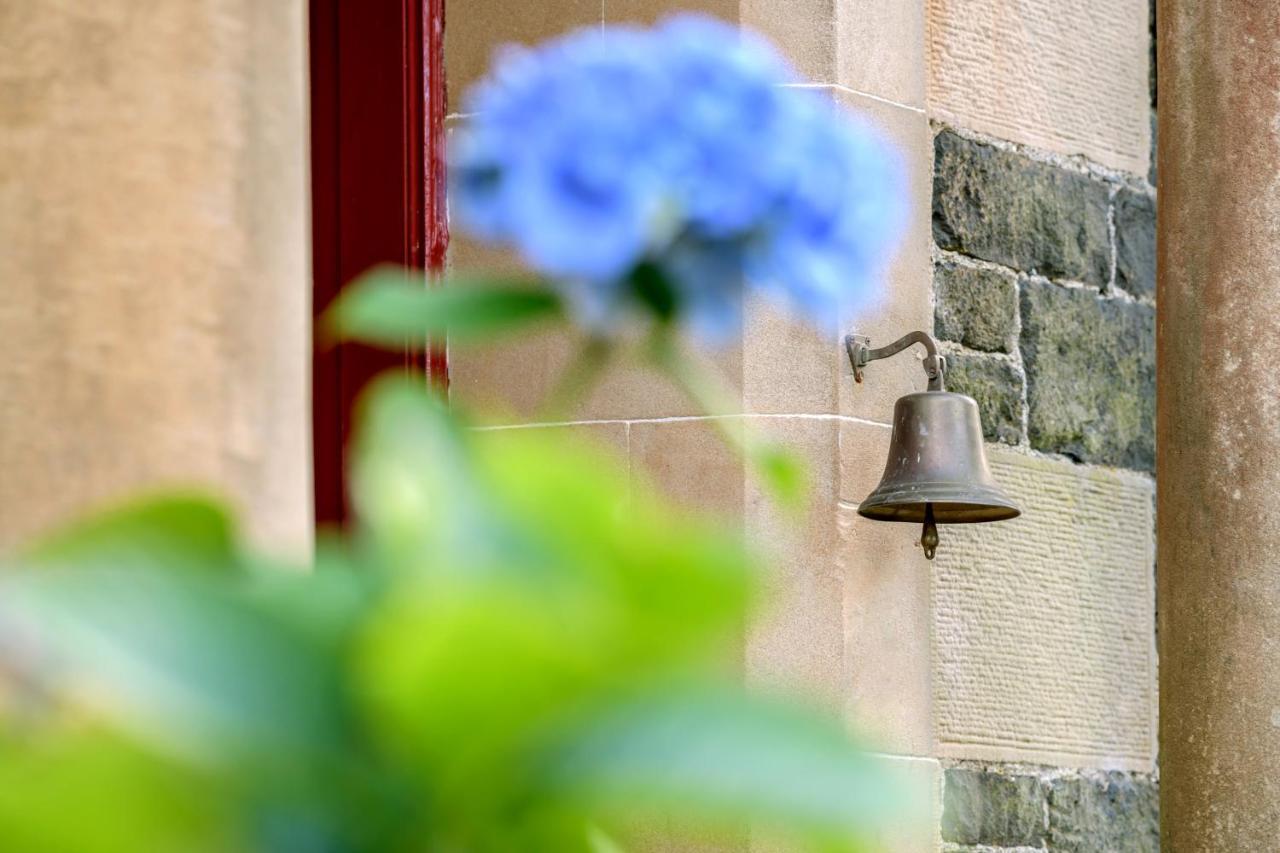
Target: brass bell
937, 469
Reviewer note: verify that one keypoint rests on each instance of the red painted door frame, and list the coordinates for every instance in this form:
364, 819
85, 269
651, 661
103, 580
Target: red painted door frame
377, 169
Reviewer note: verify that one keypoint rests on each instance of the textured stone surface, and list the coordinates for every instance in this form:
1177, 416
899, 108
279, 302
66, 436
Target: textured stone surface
886, 607
1116, 812
1072, 81
1090, 375
652, 11
992, 808
1043, 625
975, 306
881, 48
479, 27
1032, 216
904, 301
1219, 471
797, 640
1135, 214
155, 326
868, 46
996, 385
689, 460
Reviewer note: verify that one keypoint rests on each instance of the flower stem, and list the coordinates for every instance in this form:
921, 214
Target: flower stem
578, 379
779, 471
710, 395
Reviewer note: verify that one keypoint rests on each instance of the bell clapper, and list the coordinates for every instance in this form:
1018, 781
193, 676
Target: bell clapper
929, 536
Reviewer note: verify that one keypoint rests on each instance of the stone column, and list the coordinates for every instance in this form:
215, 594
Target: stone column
154, 284
1218, 432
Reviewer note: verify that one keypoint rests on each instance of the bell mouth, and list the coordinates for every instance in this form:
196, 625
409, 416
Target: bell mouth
952, 504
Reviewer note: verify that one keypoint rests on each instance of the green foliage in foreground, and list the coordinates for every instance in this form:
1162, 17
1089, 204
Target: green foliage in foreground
516, 649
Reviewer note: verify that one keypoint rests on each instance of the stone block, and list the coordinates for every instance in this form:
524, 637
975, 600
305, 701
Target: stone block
789, 366
975, 306
868, 46
996, 385
886, 607
1072, 80
651, 11
691, 462
804, 30
1044, 626
904, 299
795, 366
156, 322
1090, 366
980, 807
881, 49
478, 28
1116, 812
1135, 216
797, 640
1032, 216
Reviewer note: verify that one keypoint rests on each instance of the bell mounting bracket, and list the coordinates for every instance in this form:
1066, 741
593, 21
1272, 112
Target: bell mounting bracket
861, 353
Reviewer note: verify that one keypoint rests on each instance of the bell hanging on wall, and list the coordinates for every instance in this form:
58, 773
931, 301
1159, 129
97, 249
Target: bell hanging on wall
937, 469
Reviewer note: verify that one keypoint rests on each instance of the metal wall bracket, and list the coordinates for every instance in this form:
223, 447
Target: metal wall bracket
861, 353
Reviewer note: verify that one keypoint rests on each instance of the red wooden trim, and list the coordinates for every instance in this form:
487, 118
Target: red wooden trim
377, 121
436, 214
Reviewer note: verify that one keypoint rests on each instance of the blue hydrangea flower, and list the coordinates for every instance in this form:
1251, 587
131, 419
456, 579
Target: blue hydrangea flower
621, 157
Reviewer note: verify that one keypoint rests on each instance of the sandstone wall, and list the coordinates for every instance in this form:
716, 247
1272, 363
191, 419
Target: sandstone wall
155, 320
155, 330
1014, 678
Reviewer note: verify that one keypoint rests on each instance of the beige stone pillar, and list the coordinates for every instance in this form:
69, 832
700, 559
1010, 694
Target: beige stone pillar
154, 285
1218, 424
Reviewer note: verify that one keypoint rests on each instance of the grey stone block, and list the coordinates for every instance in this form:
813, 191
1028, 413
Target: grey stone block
993, 809
975, 307
1031, 216
1136, 242
1118, 813
1090, 366
996, 386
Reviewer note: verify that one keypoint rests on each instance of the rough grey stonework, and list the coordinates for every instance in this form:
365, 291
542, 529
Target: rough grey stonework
1082, 380
996, 386
993, 809
1006, 208
1080, 811
1090, 366
975, 307
1135, 216
1116, 812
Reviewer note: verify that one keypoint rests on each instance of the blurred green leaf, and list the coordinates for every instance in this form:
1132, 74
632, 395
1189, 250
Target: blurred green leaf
393, 308
182, 659
782, 474
178, 531
726, 757
87, 791
428, 683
